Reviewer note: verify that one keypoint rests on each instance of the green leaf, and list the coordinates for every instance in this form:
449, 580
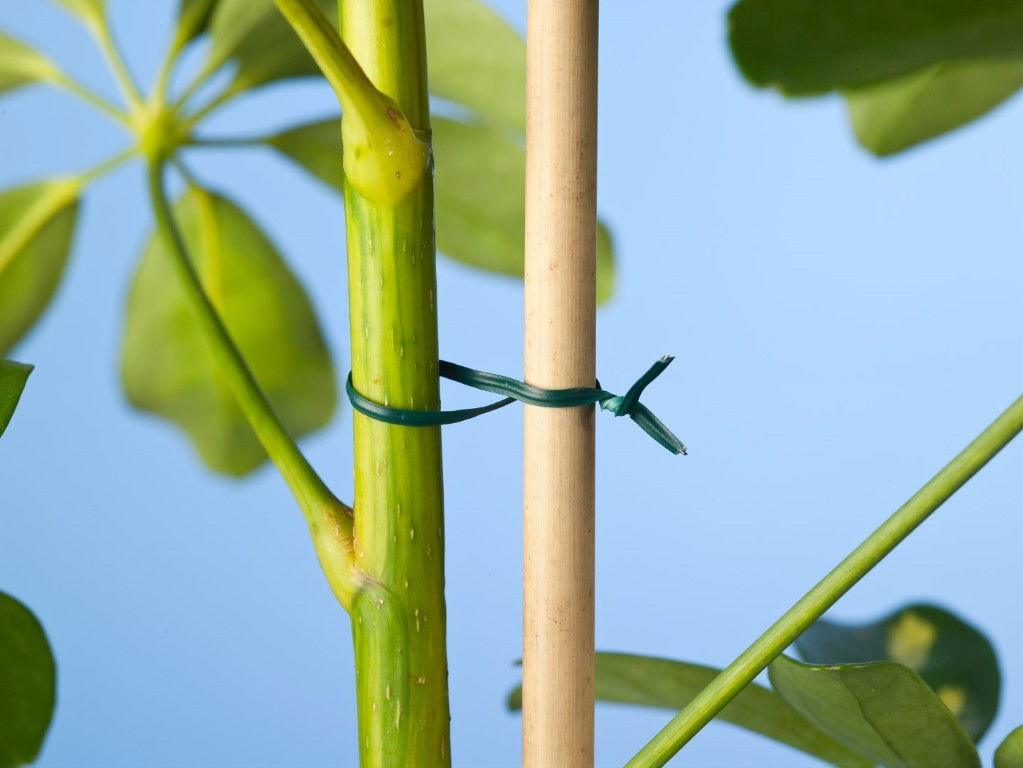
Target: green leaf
811, 46
194, 18
882, 711
20, 64
651, 682
900, 113
12, 381
166, 366
1010, 752
37, 224
92, 12
254, 35
953, 658
480, 192
477, 60
28, 682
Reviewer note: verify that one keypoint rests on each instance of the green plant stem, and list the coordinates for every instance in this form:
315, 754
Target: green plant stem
329, 520
105, 40
211, 106
399, 621
90, 97
741, 672
106, 166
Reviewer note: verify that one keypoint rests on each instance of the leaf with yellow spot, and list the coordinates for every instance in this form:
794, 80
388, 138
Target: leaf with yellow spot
952, 657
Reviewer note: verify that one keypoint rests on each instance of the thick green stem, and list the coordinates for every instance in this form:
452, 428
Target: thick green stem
741, 672
398, 619
329, 520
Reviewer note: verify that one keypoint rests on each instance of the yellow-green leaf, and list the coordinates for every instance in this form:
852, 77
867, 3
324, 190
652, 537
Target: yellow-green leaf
651, 682
254, 35
28, 683
477, 60
37, 224
900, 113
952, 657
21, 64
883, 711
166, 366
194, 18
12, 381
1010, 752
92, 12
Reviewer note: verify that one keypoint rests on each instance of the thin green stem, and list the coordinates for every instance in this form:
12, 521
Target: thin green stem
224, 141
105, 40
90, 97
211, 106
741, 672
106, 166
330, 521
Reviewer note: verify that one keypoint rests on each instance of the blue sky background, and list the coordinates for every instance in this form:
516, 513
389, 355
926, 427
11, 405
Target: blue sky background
842, 325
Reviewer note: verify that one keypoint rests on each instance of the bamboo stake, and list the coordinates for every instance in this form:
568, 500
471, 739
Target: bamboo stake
560, 330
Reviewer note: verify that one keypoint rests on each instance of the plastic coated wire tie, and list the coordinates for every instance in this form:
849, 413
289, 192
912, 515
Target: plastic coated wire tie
620, 405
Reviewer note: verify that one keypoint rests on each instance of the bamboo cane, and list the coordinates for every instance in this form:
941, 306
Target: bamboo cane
560, 308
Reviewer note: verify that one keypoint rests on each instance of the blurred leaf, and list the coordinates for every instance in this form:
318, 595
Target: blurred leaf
12, 381
651, 682
480, 192
897, 114
28, 682
194, 18
91, 11
316, 147
811, 46
166, 366
260, 41
883, 711
953, 658
477, 60
37, 224
20, 64
1010, 752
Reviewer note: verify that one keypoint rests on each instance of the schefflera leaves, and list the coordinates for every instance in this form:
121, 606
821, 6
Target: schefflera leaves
21, 64
909, 71
652, 682
1010, 752
37, 224
955, 660
166, 366
28, 683
883, 711
12, 381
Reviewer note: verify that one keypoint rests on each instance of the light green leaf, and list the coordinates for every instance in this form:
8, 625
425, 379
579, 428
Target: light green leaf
1010, 752
882, 711
28, 683
12, 381
92, 12
37, 224
20, 64
811, 46
480, 192
652, 682
897, 114
254, 35
952, 657
166, 366
477, 60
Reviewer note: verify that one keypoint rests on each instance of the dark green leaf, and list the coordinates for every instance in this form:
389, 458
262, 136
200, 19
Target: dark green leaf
480, 192
12, 381
897, 114
953, 658
254, 35
194, 18
166, 366
37, 224
1010, 752
477, 60
20, 64
882, 711
811, 46
28, 682
651, 682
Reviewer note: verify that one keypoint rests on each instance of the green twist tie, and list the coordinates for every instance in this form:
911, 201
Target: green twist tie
620, 405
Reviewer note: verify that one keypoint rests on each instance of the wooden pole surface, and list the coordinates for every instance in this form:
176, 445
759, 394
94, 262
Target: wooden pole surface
560, 352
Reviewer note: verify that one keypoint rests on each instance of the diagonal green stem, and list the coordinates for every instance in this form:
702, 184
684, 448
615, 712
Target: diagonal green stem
329, 520
90, 97
741, 672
